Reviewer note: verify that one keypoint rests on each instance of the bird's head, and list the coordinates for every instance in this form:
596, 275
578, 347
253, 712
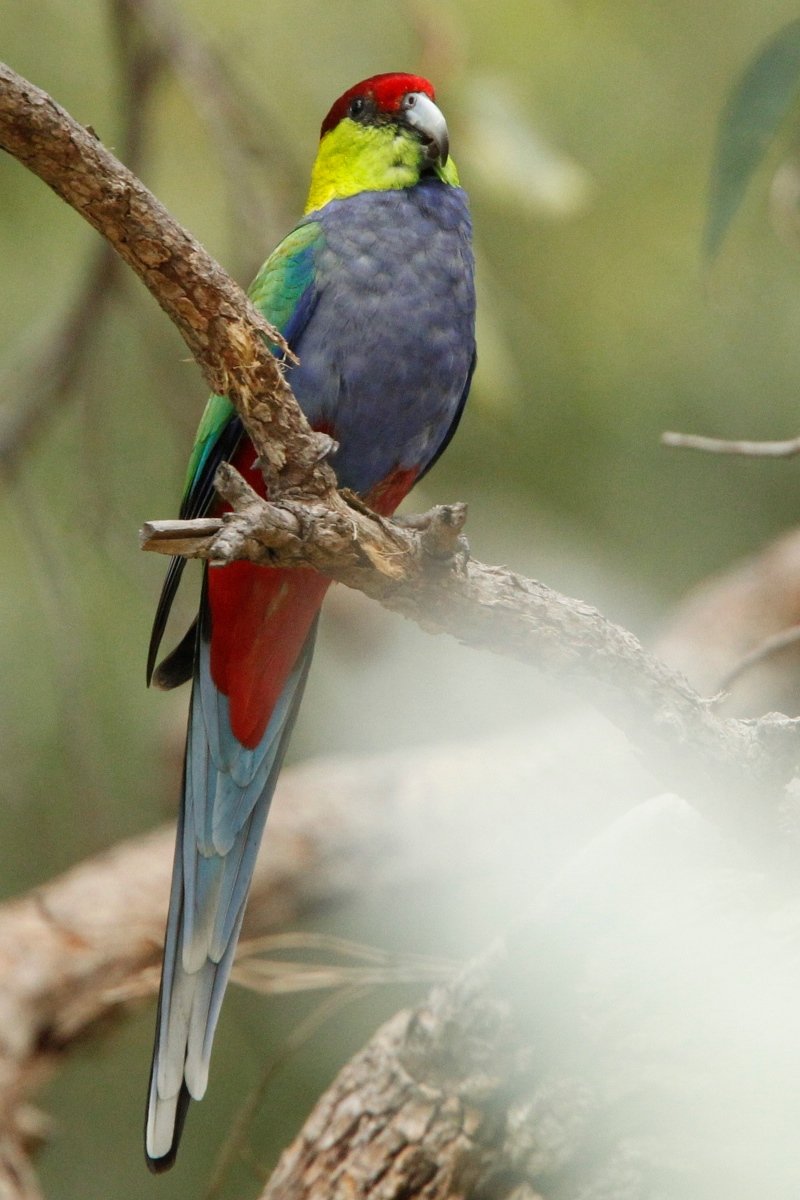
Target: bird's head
385, 132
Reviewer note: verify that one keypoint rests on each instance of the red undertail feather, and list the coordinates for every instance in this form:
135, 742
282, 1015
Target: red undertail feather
385, 496
260, 620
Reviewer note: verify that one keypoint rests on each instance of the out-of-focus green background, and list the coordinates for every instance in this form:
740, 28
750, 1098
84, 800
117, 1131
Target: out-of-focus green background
584, 133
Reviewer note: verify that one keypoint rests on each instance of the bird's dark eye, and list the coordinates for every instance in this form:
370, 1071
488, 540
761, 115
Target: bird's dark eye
357, 106
409, 100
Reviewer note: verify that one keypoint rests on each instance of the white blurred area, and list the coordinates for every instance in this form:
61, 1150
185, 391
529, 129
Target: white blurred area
655, 961
656, 957
512, 159
380, 682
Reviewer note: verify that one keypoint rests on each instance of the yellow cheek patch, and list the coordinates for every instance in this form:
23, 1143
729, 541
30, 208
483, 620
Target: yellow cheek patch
356, 158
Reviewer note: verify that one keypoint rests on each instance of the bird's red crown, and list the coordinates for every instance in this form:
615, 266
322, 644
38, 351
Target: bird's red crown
386, 91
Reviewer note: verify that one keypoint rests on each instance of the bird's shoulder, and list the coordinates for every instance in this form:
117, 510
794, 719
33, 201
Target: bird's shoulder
282, 282
281, 291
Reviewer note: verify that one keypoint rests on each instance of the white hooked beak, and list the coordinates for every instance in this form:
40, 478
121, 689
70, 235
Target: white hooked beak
421, 114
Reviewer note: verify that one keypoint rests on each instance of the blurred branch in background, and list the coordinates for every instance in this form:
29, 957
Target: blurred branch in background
716, 633
588, 1050
44, 381
149, 37
73, 951
515, 162
246, 142
608, 1047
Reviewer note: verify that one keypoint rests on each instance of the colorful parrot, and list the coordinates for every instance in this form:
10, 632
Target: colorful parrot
374, 293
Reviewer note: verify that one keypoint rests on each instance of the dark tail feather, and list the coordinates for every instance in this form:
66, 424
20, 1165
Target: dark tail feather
173, 578
178, 665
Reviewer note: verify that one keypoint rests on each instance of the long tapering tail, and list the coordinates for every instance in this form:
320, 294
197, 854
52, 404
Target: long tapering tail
227, 790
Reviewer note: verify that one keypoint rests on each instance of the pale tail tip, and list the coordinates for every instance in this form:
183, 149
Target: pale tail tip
165, 1120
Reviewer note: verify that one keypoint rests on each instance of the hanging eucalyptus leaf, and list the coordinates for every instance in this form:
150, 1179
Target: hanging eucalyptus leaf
750, 120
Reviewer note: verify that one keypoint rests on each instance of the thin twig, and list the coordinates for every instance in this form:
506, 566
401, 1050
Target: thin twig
764, 650
279, 976
745, 449
329, 943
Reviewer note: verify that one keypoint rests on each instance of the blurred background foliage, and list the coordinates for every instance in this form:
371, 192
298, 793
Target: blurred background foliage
584, 132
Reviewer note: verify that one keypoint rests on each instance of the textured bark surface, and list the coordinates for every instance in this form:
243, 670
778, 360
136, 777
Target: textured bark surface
382, 1133
227, 336
423, 570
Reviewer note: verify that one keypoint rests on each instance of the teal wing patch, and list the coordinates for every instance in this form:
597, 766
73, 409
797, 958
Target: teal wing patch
278, 288
216, 415
283, 290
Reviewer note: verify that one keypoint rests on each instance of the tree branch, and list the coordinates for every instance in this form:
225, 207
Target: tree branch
226, 335
308, 521
439, 1108
426, 574
744, 449
614, 1045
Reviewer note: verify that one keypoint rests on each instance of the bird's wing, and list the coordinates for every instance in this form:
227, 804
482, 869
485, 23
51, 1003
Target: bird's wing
453, 426
283, 290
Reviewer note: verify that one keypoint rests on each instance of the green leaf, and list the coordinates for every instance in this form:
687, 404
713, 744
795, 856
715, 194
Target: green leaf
755, 109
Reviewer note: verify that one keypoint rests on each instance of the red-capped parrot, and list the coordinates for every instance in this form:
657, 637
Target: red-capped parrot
374, 293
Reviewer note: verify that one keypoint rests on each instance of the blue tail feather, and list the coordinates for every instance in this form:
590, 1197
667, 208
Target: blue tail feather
226, 797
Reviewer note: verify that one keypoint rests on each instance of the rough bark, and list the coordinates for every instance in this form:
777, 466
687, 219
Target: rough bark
423, 570
226, 335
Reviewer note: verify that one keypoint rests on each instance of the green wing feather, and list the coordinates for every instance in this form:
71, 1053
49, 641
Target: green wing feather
278, 291
278, 287
283, 290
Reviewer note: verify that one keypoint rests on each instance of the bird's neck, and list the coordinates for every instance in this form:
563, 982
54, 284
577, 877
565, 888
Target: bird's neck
355, 158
